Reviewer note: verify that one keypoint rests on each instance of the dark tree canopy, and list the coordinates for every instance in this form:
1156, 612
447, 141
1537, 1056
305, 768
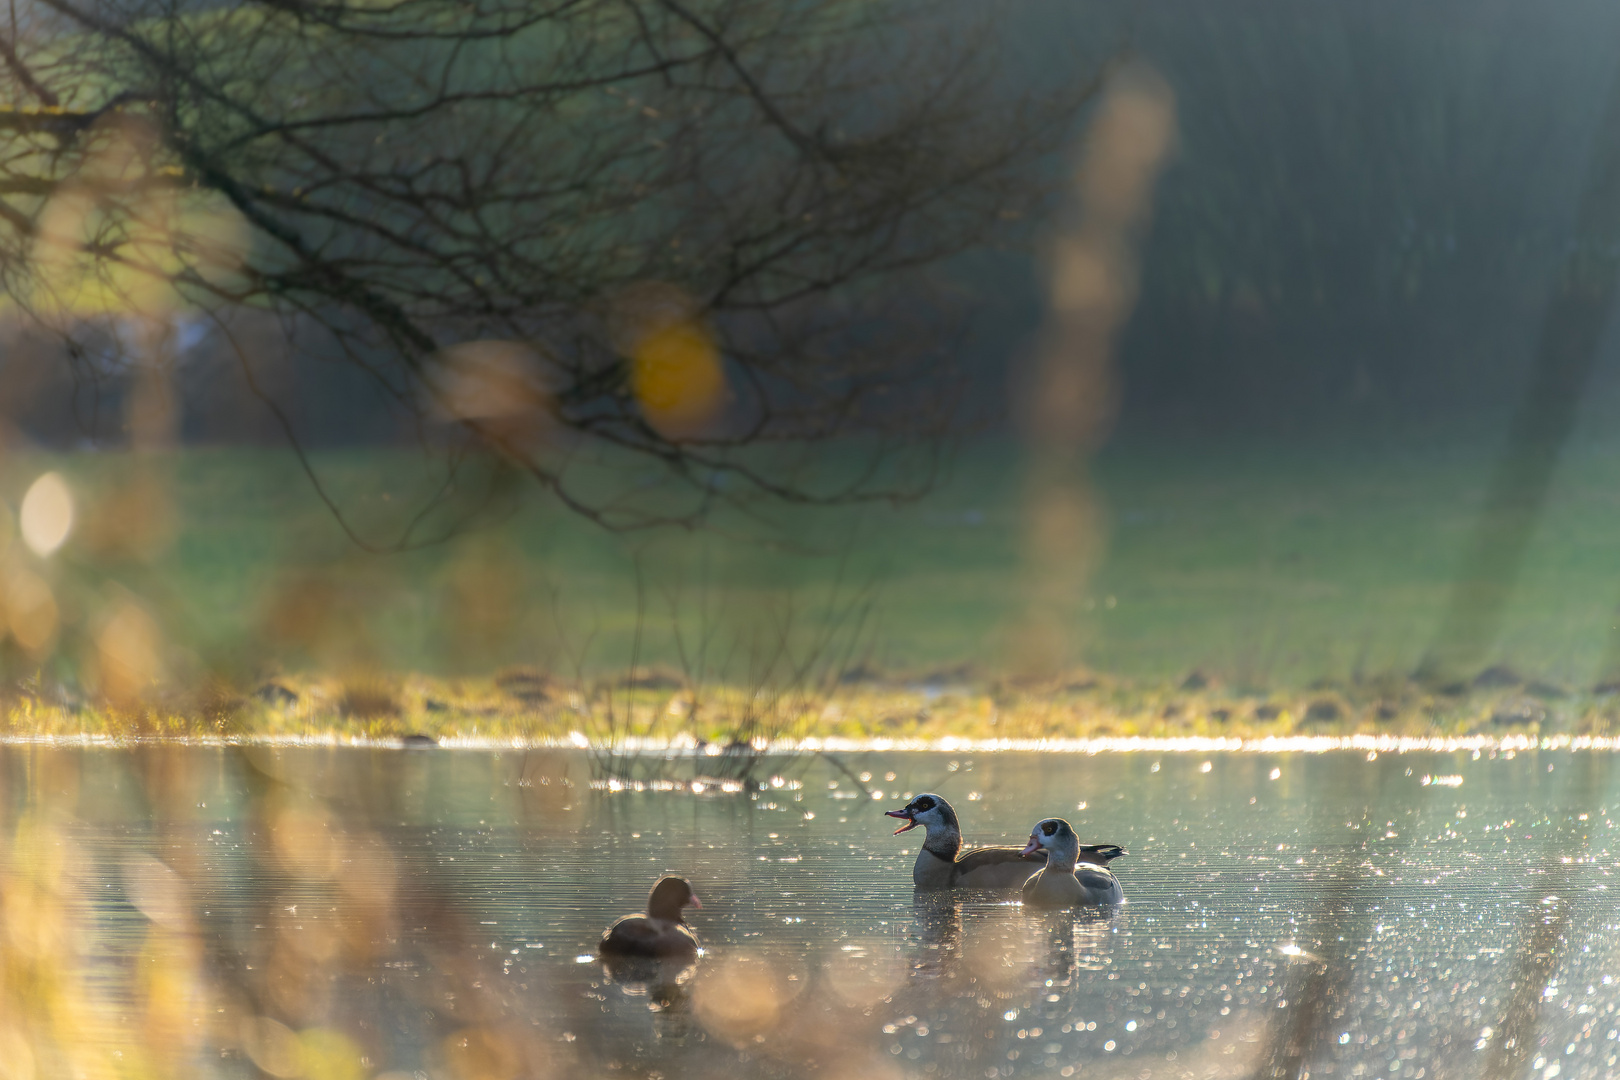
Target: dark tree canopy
1369, 206
682, 229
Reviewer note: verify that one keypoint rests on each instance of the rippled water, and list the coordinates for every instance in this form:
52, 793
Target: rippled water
351, 913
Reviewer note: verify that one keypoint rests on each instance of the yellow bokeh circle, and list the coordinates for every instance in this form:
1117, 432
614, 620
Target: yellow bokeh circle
677, 378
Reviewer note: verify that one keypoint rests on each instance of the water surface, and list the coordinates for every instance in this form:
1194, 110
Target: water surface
356, 913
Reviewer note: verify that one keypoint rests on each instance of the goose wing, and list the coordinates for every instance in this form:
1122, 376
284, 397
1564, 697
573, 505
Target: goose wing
1100, 885
998, 867
1101, 854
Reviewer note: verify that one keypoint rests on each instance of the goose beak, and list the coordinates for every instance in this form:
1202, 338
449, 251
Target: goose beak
910, 822
1032, 847
695, 902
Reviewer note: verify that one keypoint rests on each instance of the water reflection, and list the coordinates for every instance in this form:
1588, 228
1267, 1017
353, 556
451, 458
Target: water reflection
354, 913
937, 934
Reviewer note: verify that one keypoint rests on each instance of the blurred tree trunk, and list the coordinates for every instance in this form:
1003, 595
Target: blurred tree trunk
1572, 328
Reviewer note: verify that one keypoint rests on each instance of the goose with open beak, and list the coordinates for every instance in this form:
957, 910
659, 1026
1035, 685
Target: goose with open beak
660, 933
1065, 882
941, 864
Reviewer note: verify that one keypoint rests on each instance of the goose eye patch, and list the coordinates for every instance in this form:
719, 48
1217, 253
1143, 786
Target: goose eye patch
1048, 828
924, 804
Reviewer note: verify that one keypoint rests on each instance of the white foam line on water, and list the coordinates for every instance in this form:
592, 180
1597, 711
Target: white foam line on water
687, 747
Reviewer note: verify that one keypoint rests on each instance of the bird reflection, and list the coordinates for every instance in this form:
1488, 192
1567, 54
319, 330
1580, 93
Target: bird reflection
1059, 928
1077, 942
937, 926
664, 982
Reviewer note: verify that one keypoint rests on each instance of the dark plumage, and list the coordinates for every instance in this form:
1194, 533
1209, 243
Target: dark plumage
662, 932
1101, 854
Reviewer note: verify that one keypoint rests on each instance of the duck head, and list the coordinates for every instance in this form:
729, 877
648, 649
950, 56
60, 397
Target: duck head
927, 810
669, 896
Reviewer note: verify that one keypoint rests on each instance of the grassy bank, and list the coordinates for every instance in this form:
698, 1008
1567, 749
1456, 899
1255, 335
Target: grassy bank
1242, 584
657, 707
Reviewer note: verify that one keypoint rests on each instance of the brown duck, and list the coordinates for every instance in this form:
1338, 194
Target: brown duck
660, 933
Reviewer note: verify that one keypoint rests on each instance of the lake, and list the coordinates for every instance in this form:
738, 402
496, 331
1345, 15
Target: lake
176, 911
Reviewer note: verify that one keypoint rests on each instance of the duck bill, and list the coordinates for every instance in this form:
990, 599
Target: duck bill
1032, 847
910, 822
695, 902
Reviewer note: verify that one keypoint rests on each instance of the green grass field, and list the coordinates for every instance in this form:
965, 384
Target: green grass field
1262, 566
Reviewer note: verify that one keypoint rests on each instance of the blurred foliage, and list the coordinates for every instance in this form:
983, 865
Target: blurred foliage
1350, 205
673, 229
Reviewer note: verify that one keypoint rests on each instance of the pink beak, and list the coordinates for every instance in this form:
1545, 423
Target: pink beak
694, 901
911, 822
1032, 847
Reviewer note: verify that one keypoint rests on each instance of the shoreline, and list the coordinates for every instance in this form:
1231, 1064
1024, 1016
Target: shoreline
1506, 746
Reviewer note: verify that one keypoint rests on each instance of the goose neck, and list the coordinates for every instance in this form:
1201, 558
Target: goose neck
944, 841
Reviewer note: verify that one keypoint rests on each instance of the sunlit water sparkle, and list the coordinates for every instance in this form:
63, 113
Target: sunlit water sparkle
1416, 896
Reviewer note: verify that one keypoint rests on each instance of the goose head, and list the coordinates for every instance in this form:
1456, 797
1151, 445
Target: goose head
928, 810
1057, 838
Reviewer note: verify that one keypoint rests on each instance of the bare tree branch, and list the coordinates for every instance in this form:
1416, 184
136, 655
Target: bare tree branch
414, 176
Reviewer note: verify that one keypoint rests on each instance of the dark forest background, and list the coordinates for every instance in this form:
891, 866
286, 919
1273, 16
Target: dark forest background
1361, 223
1366, 213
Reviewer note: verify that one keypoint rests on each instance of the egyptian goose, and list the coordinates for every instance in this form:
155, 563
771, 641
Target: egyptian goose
939, 867
940, 864
1066, 882
659, 933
